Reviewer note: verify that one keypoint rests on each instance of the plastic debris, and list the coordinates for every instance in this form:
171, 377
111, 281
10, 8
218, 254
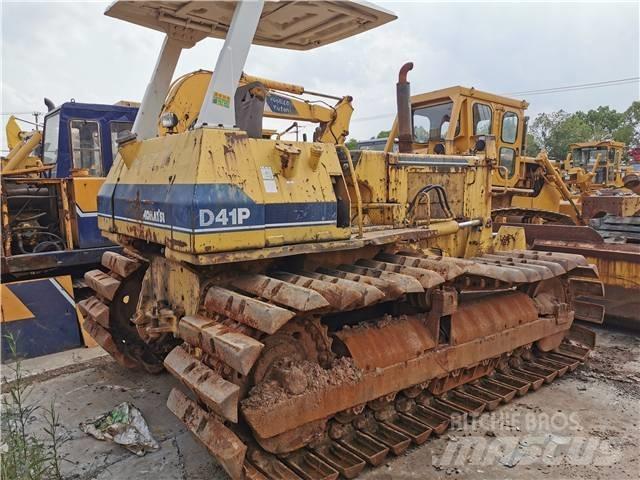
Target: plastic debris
125, 426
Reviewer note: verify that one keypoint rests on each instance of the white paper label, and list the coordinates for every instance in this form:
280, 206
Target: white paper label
269, 181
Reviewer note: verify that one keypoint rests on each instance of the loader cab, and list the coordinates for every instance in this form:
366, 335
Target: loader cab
452, 121
603, 160
79, 139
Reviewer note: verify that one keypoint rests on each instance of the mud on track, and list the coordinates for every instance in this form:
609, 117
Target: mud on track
584, 425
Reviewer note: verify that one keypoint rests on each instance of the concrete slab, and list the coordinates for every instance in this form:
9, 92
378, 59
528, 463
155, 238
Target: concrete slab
50, 364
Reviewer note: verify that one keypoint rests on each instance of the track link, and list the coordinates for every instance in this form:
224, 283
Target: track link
108, 314
248, 324
368, 435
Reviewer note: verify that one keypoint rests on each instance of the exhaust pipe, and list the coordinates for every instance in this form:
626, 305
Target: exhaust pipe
403, 97
50, 105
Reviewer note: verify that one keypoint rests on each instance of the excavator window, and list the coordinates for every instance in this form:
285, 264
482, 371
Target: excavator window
432, 122
509, 127
85, 146
50, 141
482, 117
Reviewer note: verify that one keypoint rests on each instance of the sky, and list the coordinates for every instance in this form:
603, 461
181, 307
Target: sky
64, 50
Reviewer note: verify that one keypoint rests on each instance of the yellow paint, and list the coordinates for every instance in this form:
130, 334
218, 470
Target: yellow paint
66, 283
515, 188
510, 238
617, 272
608, 158
389, 183
216, 156
12, 308
187, 94
85, 192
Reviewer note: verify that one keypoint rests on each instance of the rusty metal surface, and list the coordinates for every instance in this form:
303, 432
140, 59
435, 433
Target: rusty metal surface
486, 317
119, 264
250, 311
389, 342
105, 340
618, 252
33, 262
283, 293
594, 206
556, 232
218, 394
618, 266
622, 307
427, 278
447, 270
384, 237
394, 383
102, 283
219, 440
292, 412
95, 310
236, 349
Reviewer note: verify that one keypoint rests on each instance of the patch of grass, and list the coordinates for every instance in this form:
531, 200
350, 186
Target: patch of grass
23, 454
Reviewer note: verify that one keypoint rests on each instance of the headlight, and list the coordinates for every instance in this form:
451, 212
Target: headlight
169, 120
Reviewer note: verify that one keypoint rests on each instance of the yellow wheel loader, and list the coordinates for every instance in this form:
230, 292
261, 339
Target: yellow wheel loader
322, 310
533, 194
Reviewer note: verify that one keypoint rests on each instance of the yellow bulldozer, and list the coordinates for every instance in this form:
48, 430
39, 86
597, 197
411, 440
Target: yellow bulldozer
593, 165
325, 310
569, 212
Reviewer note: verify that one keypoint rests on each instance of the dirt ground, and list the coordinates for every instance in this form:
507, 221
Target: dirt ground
584, 425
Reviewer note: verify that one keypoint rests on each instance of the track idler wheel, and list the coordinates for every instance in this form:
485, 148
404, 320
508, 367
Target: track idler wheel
109, 313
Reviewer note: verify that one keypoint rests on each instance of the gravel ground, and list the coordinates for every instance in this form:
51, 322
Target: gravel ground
584, 425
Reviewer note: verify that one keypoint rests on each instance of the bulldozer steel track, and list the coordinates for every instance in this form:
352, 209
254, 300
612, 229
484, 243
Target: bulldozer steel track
247, 326
372, 436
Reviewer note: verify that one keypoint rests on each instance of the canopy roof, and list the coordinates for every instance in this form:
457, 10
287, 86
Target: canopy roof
295, 25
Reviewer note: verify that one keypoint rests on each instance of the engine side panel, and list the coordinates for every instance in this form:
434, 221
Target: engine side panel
212, 190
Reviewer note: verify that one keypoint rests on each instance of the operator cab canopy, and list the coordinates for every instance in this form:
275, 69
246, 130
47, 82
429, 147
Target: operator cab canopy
295, 25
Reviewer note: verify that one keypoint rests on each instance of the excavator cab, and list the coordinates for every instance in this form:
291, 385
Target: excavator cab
79, 139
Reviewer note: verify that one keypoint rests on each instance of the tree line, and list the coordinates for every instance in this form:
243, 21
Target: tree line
557, 130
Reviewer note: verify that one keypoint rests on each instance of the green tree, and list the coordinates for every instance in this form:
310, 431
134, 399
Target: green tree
532, 146
352, 144
631, 123
571, 130
604, 121
383, 134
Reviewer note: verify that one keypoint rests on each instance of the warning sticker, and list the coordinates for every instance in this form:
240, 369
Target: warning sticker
221, 99
269, 181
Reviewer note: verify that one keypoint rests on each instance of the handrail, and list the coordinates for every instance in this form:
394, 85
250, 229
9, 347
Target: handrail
356, 187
